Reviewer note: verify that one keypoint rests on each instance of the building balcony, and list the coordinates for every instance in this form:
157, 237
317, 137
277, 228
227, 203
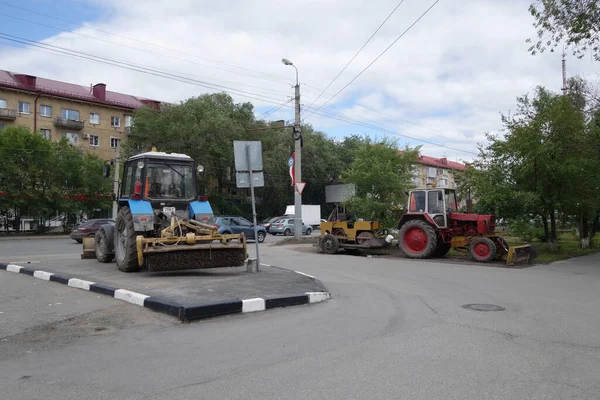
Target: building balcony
68, 123
5, 113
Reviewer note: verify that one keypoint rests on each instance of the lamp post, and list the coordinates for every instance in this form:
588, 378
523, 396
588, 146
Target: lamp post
203, 172
297, 135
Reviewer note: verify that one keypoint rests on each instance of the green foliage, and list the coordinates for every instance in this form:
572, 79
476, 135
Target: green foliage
575, 23
542, 165
205, 127
381, 176
40, 178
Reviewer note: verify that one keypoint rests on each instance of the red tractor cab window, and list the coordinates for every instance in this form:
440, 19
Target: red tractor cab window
417, 202
435, 202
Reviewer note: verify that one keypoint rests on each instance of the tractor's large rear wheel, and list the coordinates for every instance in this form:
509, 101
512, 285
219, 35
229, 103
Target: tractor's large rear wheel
483, 249
442, 249
125, 250
417, 239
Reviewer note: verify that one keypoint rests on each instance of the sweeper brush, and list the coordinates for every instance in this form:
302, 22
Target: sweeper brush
188, 245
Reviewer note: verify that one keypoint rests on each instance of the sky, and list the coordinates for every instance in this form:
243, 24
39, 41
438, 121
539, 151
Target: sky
443, 85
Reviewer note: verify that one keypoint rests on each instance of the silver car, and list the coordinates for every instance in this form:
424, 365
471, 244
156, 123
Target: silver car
286, 227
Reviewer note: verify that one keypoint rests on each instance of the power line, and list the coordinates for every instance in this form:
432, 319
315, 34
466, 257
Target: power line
279, 79
376, 58
274, 109
358, 52
146, 51
203, 84
134, 67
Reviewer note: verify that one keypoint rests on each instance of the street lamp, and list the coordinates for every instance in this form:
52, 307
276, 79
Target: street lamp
203, 172
297, 136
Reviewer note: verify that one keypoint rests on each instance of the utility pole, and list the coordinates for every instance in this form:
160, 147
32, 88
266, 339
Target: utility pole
115, 209
297, 135
564, 74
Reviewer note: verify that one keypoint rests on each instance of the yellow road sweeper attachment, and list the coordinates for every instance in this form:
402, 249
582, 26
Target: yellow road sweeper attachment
162, 224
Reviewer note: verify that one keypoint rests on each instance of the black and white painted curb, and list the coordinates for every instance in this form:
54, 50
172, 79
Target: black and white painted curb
183, 312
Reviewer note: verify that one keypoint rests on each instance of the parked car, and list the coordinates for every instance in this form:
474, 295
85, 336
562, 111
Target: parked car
88, 228
286, 227
232, 224
269, 221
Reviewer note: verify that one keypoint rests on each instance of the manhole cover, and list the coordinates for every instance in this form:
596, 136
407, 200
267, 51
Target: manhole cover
484, 307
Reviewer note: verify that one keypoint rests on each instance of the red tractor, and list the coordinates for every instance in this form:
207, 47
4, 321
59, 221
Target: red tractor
433, 225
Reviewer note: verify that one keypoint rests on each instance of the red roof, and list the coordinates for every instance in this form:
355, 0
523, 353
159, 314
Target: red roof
67, 90
439, 162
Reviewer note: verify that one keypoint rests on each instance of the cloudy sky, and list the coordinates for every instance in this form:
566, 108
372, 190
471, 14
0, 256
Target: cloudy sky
444, 83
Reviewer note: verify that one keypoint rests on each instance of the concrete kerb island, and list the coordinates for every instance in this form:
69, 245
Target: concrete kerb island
184, 312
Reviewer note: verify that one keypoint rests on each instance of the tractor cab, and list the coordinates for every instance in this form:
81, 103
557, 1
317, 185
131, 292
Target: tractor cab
166, 183
437, 203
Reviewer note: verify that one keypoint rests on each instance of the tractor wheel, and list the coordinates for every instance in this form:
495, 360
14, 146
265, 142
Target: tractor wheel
125, 249
417, 239
483, 249
442, 249
330, 244
101, 247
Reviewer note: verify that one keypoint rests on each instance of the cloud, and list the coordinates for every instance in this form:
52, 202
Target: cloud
444, 82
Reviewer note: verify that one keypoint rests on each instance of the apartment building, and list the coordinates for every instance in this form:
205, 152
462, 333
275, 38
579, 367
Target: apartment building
90, 117
438, 172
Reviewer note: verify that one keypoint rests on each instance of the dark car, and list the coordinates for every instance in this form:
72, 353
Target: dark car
267, 223
88, 228
233, 225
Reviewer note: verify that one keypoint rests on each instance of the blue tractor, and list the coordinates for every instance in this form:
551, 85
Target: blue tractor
162, 223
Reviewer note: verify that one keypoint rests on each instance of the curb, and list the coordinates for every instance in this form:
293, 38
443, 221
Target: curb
184, 313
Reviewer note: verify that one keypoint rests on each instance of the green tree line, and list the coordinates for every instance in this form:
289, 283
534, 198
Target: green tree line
205, 127
40, 179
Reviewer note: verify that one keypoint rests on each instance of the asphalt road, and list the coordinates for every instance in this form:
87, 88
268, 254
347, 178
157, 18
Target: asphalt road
395, 328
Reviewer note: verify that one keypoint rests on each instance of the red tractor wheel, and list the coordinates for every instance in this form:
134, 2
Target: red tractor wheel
417, 239
483, 249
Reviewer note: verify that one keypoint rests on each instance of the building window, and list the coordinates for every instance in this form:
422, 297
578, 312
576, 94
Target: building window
23, 107
45, 133
444, 172
443, 182
45, 111
94, 140
431, 172
1, 127
94, 119
114, 142
115, 121
2, 103
72, 137
72, 115
128, 121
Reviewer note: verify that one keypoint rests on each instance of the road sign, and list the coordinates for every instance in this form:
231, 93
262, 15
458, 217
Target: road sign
300, 186
292, 169
291, 162
241, 158
242, 179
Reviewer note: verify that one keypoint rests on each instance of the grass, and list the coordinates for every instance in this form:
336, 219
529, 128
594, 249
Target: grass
568, 247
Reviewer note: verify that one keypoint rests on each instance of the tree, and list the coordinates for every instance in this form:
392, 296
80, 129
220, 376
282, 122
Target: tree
541, 166
203, 127
40, 178
575, 23
381, 175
